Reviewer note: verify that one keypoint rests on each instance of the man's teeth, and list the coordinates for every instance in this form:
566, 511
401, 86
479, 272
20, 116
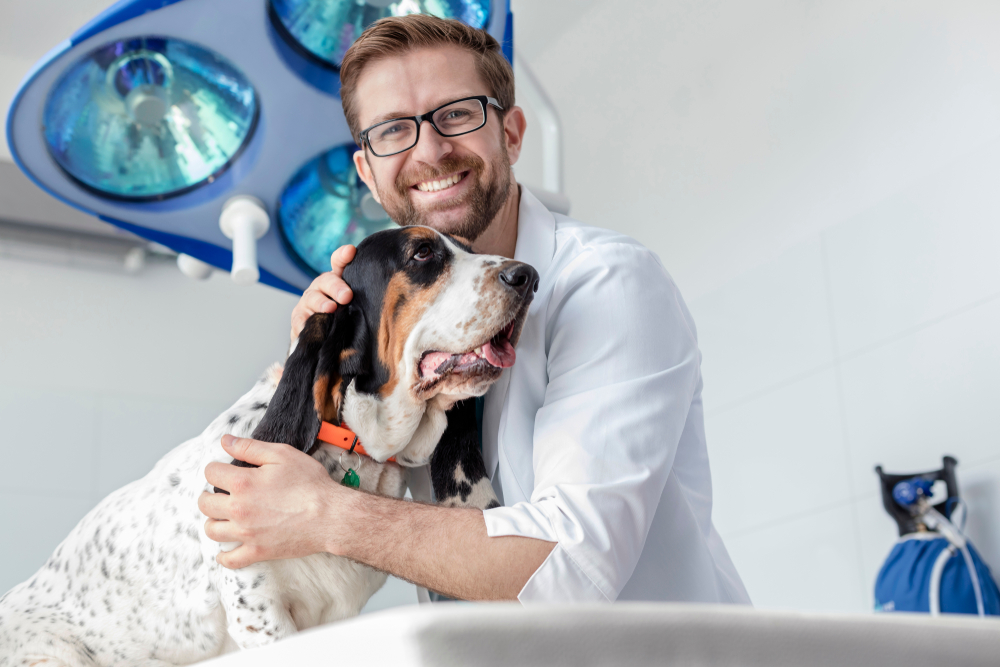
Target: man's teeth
434, 186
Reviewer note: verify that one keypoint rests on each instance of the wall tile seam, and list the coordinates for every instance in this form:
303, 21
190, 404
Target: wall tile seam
98, 450
854, 500
917, 328
889, 340
845, 433
771, 388
790, 518
976, 463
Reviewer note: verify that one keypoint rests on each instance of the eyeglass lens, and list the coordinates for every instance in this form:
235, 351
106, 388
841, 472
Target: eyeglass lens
400, 135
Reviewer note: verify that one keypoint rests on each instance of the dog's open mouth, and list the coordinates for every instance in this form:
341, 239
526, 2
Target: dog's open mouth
497, 352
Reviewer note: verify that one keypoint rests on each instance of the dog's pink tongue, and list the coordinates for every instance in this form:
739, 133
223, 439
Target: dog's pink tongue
500, 354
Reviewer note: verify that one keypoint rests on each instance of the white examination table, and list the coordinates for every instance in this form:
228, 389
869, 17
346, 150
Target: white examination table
508, 635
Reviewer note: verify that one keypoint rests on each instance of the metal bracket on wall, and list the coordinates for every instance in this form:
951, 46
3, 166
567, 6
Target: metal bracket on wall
551, 193
52, 245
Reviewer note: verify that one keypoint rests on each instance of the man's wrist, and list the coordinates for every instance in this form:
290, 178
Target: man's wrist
342, 518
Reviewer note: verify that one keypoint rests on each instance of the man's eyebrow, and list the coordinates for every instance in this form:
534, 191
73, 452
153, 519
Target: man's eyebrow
390, 116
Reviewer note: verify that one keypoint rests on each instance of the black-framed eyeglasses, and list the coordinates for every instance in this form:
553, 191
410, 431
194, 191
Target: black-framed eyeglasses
449, 120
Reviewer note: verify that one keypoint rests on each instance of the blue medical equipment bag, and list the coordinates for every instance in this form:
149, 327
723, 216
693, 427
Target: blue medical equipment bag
928, 569
922, 561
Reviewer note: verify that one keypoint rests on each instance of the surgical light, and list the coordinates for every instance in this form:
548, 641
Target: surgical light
324, 206
325, 29
191, 136
148, 118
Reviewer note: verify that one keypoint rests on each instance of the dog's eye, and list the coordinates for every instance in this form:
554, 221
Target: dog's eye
423, 253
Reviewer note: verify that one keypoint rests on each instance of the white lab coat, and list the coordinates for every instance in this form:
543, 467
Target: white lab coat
596, 433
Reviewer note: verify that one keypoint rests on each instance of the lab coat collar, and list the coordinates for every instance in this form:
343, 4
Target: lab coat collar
536, 233
536, 245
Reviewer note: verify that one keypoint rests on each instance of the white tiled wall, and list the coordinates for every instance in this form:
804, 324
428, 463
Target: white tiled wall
100, 375
874, 342
778, 327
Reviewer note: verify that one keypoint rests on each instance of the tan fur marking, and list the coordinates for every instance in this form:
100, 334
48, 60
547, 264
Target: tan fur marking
422, 233
395, 326
326, 399
320, 395
332, 412
313, 330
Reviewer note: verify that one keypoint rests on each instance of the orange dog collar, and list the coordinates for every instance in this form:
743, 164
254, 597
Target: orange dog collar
346, 439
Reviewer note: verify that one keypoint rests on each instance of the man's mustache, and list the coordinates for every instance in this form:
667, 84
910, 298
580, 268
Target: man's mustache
407, 179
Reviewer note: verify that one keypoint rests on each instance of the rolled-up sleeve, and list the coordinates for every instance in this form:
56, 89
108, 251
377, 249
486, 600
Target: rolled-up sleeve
623, 367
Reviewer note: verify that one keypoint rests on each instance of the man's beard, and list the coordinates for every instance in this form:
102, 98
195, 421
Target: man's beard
484, 199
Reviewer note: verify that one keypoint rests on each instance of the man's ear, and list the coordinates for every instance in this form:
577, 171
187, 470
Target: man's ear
365, 172
310, 387
514, 127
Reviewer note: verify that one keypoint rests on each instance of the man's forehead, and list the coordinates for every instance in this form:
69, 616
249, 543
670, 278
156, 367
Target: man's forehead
416, 81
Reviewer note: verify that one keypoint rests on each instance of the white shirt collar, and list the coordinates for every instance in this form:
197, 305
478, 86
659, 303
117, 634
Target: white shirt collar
536, 233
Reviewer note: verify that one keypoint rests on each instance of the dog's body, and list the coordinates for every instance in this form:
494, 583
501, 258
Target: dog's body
136, 582
137, 577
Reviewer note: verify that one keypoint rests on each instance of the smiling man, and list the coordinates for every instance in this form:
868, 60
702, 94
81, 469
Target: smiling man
594, 439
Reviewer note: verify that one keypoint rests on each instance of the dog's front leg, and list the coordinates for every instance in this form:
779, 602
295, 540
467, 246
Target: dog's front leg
457, 469
255, 613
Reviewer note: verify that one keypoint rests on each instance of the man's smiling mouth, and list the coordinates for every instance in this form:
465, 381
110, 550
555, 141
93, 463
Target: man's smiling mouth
441, 184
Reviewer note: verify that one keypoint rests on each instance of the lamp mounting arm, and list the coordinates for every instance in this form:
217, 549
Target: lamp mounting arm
244, 219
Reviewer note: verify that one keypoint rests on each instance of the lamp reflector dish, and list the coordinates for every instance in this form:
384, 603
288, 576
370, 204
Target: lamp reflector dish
325, 29
325, 205
148, 118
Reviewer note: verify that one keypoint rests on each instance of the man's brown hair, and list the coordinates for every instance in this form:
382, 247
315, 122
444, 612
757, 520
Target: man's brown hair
398, 34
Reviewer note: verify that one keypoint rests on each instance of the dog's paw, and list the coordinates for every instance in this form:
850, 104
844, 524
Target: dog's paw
260, 629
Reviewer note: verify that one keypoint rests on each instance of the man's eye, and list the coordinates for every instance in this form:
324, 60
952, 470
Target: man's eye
423, 253
392, 131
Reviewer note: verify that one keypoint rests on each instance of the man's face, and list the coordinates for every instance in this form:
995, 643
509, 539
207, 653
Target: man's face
456, 185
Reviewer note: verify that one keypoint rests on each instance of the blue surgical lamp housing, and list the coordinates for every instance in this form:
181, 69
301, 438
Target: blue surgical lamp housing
214, 127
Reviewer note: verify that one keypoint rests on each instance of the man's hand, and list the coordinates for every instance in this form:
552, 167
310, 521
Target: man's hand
328, 290
279, 510
289, 508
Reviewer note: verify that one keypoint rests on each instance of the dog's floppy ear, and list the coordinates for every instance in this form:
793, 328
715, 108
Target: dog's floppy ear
310, 387
458, 472
331, 350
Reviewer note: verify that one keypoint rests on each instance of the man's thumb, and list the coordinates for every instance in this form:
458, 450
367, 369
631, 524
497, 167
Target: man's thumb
246, 449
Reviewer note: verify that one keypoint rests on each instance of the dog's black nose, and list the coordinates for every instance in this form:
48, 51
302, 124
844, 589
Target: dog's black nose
521, 278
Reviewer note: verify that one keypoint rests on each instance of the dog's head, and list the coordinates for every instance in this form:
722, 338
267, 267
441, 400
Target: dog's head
430, 324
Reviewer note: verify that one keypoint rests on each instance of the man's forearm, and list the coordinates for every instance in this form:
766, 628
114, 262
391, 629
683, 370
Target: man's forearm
443, 549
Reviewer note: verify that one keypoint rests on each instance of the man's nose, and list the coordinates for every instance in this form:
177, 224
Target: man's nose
522, 278
431, 146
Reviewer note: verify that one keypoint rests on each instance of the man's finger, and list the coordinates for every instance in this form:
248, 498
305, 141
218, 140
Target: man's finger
316, 301
341, 257
238, 558
252, 451
333, 286
230, 479
214, 505
222, 531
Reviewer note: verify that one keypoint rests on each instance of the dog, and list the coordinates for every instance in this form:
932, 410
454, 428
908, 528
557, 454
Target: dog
136, 582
